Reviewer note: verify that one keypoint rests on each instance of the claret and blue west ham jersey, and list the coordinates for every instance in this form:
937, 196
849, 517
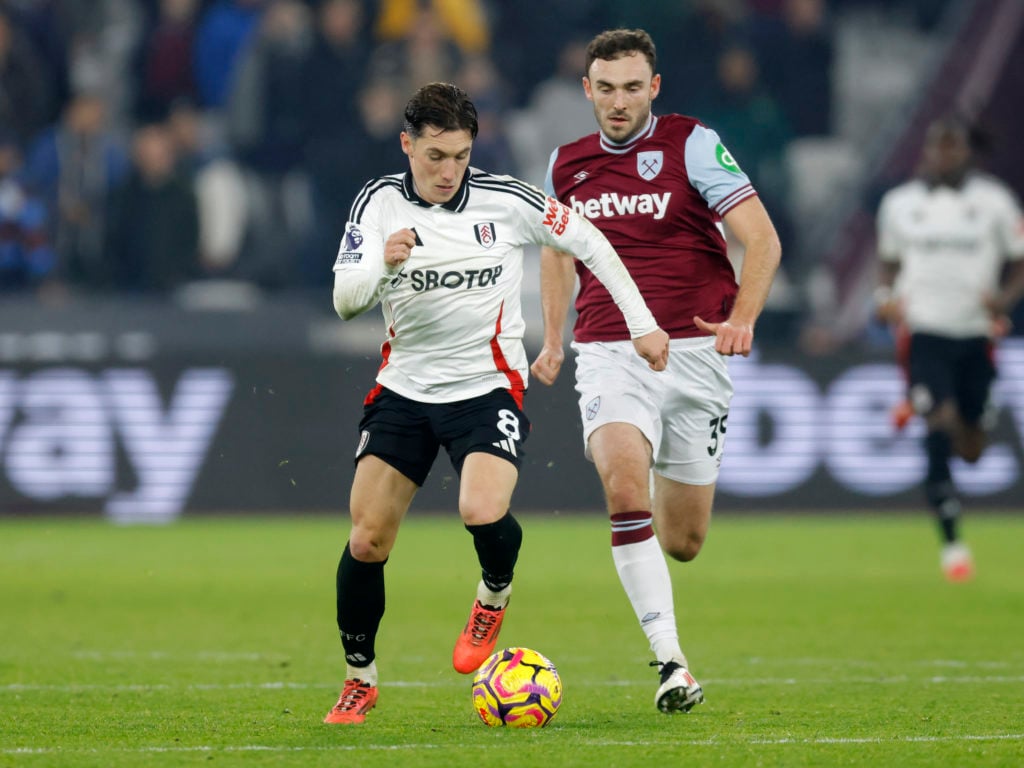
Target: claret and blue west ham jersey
453, 310
659, 199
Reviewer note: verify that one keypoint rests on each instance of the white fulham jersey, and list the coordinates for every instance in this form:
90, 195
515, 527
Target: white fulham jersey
453, 310
951, 245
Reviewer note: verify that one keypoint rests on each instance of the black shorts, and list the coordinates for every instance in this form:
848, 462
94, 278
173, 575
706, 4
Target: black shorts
943, 368
407, 433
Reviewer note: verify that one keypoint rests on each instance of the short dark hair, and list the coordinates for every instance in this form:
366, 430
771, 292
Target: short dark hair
616, 43
441, 105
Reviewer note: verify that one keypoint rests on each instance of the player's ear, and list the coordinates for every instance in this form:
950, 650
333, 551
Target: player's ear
655, 86
406, 140
587, 90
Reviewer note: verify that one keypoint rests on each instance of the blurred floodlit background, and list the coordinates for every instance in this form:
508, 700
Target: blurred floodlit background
175, 176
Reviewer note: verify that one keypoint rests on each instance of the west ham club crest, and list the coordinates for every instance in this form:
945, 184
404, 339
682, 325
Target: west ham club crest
485, 234
648, 164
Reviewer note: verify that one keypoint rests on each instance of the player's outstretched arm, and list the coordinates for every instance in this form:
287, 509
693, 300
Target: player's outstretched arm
557, 281
750, 223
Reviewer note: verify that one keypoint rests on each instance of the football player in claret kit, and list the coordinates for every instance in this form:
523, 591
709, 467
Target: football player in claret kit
440, 247
660, 188
944, 239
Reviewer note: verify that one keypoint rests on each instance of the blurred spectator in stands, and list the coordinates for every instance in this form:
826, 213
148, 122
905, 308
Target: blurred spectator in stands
665, 20
491, 147
46, 26
796, 50
153, 232
337, 66
557, 112
25, 96
695, 50
103, 36
223, 31
752, 125
164, 60
26, 256
335, 69
267, 131
219, 187
73, 166
750, 122
462, 21
371, 143
530, 37
265, 106
426, 54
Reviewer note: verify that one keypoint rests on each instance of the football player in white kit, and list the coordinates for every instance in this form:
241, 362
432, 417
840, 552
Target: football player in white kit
440, 247
943, 241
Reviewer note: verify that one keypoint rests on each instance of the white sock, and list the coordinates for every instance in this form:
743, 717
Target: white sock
367, 674
644, 575
491, 598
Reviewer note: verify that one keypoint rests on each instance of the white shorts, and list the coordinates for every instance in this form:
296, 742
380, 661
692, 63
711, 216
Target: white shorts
682, 410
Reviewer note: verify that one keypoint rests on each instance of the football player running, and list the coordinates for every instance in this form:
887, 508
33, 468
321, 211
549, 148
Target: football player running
440, 248
944, 240
659, 187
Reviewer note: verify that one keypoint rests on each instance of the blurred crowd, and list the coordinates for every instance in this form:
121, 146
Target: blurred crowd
145, 144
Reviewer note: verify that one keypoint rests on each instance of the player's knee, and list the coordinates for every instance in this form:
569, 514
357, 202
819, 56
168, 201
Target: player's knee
970, 444
367, 547
624, 495
970, 452
684, 547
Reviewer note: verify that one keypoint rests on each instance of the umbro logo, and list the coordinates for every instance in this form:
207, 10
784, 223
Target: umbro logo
581, 176
508, 445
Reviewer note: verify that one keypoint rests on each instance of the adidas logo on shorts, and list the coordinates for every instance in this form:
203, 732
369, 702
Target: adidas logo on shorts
507, 445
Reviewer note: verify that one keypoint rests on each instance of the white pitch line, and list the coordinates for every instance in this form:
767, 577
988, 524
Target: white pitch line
981, 737
286, 685
244, 656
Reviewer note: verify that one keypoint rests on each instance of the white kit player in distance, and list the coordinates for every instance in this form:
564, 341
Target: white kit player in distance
659, 187
944, 239
440, 247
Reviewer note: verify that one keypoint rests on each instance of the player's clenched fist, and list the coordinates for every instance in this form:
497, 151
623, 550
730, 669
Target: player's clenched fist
653, 347
548, 363
398, 247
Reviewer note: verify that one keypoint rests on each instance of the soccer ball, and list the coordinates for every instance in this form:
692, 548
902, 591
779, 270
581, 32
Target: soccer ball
517, 687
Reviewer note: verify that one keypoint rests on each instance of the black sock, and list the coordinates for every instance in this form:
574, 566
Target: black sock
360, 607
497, 547
938, 485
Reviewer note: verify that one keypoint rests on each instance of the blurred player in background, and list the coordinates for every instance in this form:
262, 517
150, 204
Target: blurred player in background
440, 247
943, 242
659, 187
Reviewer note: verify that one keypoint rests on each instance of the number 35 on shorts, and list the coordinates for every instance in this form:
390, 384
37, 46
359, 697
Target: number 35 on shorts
717, 426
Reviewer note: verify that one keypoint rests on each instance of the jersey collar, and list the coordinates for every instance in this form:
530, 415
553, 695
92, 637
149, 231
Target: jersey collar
620, 149
455, 205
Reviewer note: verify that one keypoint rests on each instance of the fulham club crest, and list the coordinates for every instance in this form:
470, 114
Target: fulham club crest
485, 234
648, 164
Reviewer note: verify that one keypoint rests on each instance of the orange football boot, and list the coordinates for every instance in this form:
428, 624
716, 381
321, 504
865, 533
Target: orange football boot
478, 639
357, 698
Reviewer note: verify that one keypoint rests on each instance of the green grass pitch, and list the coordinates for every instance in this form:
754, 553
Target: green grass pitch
820, 641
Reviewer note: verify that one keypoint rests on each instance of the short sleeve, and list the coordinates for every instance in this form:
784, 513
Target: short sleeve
889, 244
1010, 225
714, 172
